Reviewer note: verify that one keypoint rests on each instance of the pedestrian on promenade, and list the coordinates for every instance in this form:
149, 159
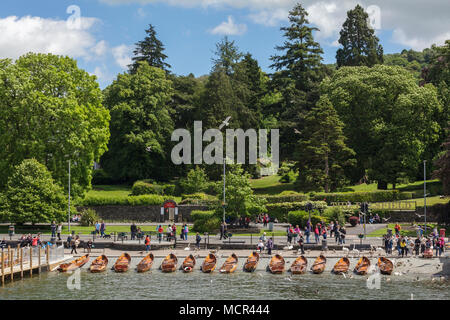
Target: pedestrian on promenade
342, 232
260, 246
197, 240
102, 229
316, 233
331, 226
89, 246
186, 231
269, 246
308, 230
289, 234
337, 234
397, 229
222, 230
174, 231
441, 245
160, 233
97, 227
74, 244
403, 246
263, 238
147, 243
53, 228
301, 242
169, 233
59, 230
417, 246
133, 230
324, 232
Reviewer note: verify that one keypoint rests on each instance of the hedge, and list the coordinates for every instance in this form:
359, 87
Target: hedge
373, 196
144, 187
144, 200
281, 210
199, 199
205, 221
300, 218
296, 197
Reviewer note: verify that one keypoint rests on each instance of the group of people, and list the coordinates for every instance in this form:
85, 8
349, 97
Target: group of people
100, 228
76, 218
56, 230
263, 218
265, 243
319, 230
30, 241
405, 245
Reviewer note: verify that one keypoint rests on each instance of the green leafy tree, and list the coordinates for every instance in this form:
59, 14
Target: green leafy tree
52, 111
443, 166
141, 125
298, 74
388, 119
31, 195
195, 181
240, 201
360, 45
151, 50
226, 56
322, 153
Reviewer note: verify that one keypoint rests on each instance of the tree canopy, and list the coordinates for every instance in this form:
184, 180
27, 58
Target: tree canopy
52, 111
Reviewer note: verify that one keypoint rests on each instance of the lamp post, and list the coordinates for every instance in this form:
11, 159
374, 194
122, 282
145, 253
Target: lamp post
425, 193
224, 124
68, 207
309, 207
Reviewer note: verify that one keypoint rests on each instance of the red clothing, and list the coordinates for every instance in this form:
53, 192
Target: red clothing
34, 242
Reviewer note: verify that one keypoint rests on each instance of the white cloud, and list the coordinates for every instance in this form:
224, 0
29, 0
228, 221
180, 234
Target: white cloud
100, 48
36, 34
414, 23
122, 55
229, 28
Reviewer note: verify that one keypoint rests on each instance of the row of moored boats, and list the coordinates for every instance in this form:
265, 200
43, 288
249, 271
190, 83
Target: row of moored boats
276, 264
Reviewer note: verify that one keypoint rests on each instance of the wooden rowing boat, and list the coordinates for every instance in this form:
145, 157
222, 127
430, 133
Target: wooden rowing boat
75, 264
385, 265
319, 264
362, 266
123, 262
299, 265
209, 264
146, 263
169, 263
341, 266
276, 264
252, 262
99, 264
188, 264
230, 264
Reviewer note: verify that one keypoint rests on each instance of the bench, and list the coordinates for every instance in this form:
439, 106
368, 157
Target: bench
122, 236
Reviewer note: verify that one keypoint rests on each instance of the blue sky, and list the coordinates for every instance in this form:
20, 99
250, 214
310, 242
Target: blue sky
103, 41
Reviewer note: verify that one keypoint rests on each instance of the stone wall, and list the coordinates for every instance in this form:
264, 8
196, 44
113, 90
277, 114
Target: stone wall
142, 213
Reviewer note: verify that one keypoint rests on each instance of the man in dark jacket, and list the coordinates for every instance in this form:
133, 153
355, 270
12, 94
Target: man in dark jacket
133, 230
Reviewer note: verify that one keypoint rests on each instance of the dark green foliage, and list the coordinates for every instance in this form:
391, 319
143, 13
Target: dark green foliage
140, 119
151, 51
301, 217
205, 221
360, 45
322, 152
442, 164
101, 177
294, 197
335, 214
196, 181
31, 195
143, 200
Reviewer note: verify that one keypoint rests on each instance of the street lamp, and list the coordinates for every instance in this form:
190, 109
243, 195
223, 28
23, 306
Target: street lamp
68, 207
225, 123
309, 207
425, 193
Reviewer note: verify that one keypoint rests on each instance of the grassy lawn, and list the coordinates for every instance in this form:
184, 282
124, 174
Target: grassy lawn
406, 230
110, 191
270, 185
413, 186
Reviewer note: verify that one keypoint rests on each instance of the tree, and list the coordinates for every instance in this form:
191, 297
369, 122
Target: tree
360, 45
52, 111
443, 166
195, 181
240, 201
141, 125
227, 55
322, 153
31, 195
299, 72
150, 50
388, 119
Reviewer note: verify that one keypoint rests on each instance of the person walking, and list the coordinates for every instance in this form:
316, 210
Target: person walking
133, 230
102, 229
147, 243
337, 234
417, 246
160, 233
53, 228
197, 240
74, 243
402, 246
97, 228
301, 242
260, 246
397, 229
441, 245
59, 230
222, 230
316, 234
289, 234
308, 230
342, 232
269, 246
186, 231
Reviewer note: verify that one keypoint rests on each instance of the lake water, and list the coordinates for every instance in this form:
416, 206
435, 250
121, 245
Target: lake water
240, 285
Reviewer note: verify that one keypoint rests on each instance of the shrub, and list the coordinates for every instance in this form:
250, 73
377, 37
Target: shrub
353, 221
373, 196
142, 187
205, 221
335, 214
301, 218
169, 189
148, 200
201, 215
211, 188
199, 196
195, 181
291, 197
288, 177
281, 210
89, 217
